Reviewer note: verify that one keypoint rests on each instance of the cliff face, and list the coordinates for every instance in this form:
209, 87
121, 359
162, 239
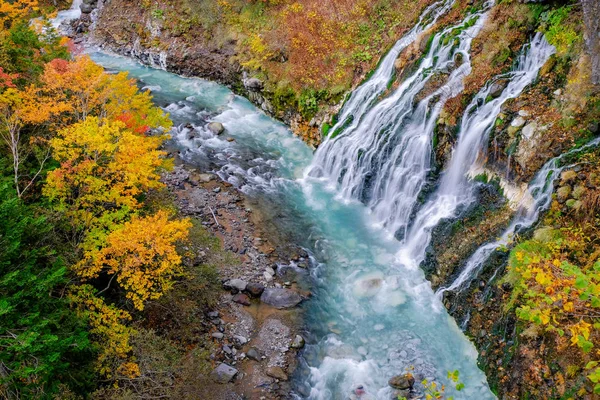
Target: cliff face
591, 15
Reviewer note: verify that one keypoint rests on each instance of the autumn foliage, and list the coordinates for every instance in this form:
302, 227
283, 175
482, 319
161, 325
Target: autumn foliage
81, 148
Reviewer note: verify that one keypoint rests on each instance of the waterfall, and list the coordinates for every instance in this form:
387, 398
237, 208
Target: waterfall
362, 98
540, 188
382, 158
67, 15
455, 189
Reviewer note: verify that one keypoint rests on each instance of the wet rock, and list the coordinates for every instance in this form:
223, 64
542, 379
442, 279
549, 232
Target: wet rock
401, 382
242, 299
253, 354
298, 342
238, 284
280, 298
216, 127
277, 373
223, 373
255, 289
497, 88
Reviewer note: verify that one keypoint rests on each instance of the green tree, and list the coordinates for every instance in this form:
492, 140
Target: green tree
42, 342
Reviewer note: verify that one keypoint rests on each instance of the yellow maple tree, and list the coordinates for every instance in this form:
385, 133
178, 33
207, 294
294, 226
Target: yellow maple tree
12, 11
141, 254
104, 167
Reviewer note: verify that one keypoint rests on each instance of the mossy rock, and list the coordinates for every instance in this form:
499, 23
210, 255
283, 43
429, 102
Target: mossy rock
563, 193
574, 204
568, 176
578, 191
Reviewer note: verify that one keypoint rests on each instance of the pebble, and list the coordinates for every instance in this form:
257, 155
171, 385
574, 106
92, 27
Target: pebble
218, 335
216, 190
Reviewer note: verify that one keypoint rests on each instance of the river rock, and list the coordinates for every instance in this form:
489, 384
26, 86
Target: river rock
255, 289
298, 342
223, 373
216, 127
237, 284
277, 373
242, 299
253, 354
401, 382
280, 298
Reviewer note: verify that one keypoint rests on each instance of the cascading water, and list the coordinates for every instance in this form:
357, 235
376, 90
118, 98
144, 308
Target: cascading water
384, 157
362, 98
455, 189
68, 15
540, 188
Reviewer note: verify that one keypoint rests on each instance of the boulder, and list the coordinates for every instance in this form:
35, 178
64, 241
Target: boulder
253, 84
216, 127
529, 130
277, 373
255, 289
497, 88
402, 382
242, 299
280, 298
223, 373
237, 284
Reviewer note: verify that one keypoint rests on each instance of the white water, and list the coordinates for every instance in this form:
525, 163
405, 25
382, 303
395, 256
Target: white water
363, 96
383, 158
455, 190
67, 15
540, 188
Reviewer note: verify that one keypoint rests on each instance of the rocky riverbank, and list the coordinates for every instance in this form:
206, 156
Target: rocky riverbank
256, 322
